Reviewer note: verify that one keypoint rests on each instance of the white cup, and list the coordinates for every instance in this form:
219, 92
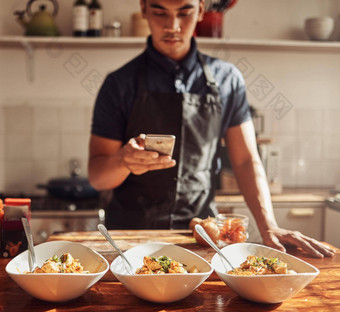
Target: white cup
319, 28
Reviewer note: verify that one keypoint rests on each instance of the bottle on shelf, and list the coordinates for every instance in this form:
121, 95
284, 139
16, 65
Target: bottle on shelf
80, 18
95, 19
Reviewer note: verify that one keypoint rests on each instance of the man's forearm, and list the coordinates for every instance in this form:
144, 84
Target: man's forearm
253, 184
107, 172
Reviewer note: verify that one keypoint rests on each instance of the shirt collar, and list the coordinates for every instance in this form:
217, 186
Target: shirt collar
169, 65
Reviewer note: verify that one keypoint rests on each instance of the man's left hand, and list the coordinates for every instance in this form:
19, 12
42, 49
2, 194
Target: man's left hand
278, 238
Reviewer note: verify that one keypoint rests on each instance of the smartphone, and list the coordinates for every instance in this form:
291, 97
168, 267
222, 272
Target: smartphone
161, 143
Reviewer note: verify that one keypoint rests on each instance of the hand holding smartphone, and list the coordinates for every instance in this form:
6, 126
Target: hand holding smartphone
161, 143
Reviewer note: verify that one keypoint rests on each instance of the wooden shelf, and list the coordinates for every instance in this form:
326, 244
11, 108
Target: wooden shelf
100, 42
139, 42
280, 45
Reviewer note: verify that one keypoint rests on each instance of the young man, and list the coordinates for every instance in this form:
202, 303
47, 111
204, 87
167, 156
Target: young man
172, 88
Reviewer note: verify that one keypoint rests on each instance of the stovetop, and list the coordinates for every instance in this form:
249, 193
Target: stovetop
51, 203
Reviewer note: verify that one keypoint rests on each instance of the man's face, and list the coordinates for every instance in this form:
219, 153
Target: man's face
172, 24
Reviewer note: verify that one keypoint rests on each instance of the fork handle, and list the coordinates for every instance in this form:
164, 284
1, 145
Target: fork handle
32, 260
102, 229
200, 230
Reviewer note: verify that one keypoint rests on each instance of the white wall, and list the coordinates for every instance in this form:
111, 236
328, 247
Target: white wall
273, 19
45, 122
308, 133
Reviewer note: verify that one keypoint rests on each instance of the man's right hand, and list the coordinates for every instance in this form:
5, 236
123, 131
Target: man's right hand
110, 163
139, 161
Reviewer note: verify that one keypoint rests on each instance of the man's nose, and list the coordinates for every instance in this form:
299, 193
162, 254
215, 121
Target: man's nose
172, 24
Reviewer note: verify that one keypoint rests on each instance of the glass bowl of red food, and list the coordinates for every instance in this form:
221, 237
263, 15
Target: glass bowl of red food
233, 228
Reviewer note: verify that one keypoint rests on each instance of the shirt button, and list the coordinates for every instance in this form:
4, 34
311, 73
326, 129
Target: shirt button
178, 83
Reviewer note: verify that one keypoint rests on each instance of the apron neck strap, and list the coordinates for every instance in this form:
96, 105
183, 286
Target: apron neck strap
211, 82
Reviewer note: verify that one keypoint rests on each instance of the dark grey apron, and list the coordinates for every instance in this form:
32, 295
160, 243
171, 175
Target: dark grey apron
170, 198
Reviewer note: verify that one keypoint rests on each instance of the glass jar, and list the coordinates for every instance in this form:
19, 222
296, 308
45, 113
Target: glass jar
113, 29
233, 228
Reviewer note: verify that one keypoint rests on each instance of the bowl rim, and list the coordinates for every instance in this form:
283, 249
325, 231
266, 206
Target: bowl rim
319, 19
316, 270
232, 215
211, 269
107, 266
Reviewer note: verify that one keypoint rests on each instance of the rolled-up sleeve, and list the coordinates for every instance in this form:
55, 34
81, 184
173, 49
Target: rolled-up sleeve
235, 107
240, 111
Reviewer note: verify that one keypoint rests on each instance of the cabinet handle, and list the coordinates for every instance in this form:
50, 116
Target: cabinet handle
302, 212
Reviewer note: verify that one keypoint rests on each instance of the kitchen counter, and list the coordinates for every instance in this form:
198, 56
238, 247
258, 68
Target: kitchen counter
213, 295
313, 195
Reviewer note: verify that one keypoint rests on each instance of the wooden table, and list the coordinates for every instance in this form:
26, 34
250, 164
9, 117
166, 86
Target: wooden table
323, 294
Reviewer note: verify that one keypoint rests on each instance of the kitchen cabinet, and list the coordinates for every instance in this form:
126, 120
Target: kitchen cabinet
300, 212
332, 229
304, 217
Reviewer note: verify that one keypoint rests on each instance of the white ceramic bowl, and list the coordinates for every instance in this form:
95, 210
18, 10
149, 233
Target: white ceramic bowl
162, 288
58, 287
263, 288
319, 28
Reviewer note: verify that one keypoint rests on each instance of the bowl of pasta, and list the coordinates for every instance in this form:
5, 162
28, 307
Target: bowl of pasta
65, 271
162, 272
263, 274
